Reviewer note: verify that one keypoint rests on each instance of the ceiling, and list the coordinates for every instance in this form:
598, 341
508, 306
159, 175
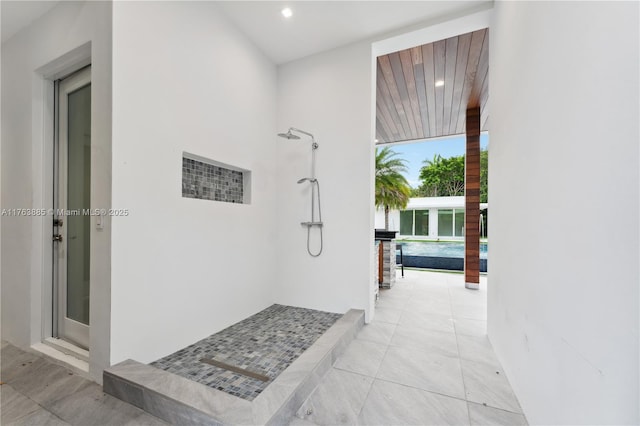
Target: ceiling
18, 14
317, 26
411, 105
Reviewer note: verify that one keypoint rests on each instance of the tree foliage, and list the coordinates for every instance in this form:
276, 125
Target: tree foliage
444, 177
484, 175
392, 189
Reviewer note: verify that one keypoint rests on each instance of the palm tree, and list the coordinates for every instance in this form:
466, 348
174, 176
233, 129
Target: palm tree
392, 189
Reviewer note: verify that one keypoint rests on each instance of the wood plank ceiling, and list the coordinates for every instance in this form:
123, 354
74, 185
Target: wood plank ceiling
424, 92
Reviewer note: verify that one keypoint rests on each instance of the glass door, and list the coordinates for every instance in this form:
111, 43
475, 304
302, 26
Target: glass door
72, 223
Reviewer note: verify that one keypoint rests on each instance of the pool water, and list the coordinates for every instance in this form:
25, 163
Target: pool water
438, 249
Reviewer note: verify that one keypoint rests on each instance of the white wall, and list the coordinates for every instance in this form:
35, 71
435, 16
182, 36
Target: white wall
563, 295
68, 35
185, 80
329, 95
394, 219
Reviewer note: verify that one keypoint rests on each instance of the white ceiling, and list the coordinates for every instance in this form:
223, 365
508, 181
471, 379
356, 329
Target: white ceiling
318, 26
18, 14
315, 26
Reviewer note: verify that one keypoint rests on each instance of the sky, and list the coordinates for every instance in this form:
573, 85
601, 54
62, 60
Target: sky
416, 152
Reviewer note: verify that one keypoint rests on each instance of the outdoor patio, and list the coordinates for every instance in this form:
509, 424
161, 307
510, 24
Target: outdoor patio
425, 359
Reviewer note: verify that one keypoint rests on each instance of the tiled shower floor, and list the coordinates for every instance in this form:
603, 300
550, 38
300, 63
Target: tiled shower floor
267, 343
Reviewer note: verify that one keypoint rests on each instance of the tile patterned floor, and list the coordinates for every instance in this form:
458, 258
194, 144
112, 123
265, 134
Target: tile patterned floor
266, 343
424, 360
428, 315
35, 391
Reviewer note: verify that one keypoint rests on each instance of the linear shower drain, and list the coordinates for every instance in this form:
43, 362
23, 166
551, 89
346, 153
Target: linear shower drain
244, 372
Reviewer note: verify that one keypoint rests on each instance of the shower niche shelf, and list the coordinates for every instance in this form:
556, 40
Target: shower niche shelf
206, 179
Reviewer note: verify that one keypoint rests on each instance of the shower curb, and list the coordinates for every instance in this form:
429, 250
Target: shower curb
178, 400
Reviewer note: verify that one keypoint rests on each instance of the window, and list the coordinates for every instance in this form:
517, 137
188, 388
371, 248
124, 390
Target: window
406, 222
414, 222
421, 221
459, 222
451, 222
445, 223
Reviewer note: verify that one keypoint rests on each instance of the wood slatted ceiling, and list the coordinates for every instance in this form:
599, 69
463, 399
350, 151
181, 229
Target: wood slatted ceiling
409, 106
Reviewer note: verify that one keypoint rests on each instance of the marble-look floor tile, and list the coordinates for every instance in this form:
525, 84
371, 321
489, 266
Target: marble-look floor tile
454, 279
393, 404
90, 406
429, 341
459, 293
433, 307
469, 311
378, 332
427, 321
403, 283
145, 419
14, 405
395, 302
487, 384
14, 362
362, 357
388, 315
431, 290
12, 354
470, 327
337, 400
481, 415
37, 418
46, 383
414, 367
477, 348
297, 421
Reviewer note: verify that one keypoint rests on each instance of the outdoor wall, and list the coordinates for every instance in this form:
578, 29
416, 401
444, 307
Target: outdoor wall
329, 95
394, 219
563, 290
70, 34
184, 79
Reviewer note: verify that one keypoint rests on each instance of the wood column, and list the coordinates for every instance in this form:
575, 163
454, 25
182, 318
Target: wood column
472, 201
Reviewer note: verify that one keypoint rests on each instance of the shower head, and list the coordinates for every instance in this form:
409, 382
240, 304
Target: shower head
307, 179
288, 135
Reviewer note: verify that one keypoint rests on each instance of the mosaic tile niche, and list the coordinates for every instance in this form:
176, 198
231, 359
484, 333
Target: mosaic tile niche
207, 181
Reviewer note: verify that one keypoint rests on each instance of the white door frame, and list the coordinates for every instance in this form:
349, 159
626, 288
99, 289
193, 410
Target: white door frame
64, 327
42, 160
41, 275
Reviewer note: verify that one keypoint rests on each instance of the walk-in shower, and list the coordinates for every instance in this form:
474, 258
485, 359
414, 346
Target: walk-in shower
315, 189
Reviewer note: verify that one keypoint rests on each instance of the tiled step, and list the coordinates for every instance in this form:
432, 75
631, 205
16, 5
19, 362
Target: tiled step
182, 401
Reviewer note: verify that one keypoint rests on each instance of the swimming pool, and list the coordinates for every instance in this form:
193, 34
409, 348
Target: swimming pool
437, 255
437, 249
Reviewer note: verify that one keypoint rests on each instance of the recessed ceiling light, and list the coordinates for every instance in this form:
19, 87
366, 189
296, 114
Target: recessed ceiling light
376, 141
439, 83
286, 12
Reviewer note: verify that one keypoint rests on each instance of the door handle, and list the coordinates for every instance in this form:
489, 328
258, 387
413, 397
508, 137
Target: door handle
57, 237
57, 222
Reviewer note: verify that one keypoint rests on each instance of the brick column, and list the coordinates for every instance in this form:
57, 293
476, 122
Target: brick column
472, 201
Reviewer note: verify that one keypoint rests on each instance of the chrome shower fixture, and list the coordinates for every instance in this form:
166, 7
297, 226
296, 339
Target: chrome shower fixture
307, 179
315, 189
288, 135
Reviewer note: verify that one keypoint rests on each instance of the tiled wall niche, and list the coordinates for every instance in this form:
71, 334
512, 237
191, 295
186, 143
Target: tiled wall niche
207, 179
